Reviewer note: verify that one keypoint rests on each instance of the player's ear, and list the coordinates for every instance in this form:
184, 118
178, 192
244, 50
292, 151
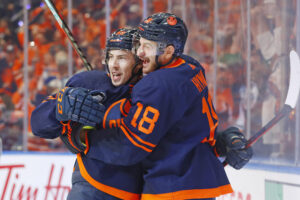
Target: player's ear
169, 51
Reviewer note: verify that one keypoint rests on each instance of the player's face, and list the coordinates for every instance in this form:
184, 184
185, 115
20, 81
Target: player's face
120, 64
147, 52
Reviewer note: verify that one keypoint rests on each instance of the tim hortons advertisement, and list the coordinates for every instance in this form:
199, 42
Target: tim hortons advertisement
41, 176
35, 176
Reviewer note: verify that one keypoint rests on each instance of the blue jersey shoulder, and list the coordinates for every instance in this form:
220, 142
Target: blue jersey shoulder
191, 60
94, 79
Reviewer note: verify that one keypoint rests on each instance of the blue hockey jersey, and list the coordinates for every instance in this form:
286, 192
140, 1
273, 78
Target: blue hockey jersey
170, 129
124, 182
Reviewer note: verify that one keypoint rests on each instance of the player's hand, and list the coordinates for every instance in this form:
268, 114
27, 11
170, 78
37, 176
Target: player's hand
80, 105
231, 143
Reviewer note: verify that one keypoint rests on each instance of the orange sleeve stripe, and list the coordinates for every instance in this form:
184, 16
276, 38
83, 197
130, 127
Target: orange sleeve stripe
122, 107
49, 98
108, 110
190, 194
137, 137
105, 188
132, 141
211, 139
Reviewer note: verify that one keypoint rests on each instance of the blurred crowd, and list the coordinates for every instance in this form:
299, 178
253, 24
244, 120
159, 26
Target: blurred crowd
273, 34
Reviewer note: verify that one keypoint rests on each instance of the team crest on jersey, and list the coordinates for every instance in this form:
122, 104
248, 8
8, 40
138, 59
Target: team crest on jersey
172, 20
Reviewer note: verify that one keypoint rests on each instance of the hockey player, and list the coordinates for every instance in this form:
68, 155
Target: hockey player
170, 127
92, 178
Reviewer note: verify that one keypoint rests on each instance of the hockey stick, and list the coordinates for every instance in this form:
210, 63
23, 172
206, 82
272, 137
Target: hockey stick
68, 33
290, 102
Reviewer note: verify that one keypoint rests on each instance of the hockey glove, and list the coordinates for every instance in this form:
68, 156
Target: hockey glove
231, 143
73, 137
80, 105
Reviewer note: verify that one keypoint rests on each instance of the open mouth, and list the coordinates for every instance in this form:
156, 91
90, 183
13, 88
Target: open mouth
116, 76
145, 61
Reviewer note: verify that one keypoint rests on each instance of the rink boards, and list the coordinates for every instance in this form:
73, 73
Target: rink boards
48, 176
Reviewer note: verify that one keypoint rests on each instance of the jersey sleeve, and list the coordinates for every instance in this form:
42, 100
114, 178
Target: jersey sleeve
43, 121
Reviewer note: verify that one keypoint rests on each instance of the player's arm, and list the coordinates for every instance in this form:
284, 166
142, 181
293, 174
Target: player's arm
43, 121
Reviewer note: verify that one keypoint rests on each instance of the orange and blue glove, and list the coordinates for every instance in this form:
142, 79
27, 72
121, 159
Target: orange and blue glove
80, 105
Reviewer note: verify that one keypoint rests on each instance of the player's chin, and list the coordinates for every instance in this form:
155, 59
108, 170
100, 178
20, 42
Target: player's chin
146, 71
117, 83
147, 68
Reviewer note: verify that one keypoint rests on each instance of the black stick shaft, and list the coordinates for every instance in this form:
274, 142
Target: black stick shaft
69, 34
284, 112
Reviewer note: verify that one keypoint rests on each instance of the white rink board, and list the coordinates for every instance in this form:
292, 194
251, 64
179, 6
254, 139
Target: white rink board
267, 184
35, 176
48, 176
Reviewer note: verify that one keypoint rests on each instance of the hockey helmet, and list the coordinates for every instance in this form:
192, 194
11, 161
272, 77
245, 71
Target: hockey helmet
165, 29
121, 39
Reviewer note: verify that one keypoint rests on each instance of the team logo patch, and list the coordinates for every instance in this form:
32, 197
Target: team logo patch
172, 21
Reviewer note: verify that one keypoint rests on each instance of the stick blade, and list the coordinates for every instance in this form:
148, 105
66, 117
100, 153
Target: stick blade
294, 87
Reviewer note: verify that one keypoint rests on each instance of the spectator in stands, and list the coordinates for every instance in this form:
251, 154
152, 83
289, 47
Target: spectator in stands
224, 98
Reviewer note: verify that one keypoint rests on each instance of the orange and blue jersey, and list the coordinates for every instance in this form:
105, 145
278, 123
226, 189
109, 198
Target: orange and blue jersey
123, 182
169, 129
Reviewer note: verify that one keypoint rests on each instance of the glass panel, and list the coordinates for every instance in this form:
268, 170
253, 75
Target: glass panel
126, 13
156, 6
272, 35
89, 30
48, 63
11, 75
200, 23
